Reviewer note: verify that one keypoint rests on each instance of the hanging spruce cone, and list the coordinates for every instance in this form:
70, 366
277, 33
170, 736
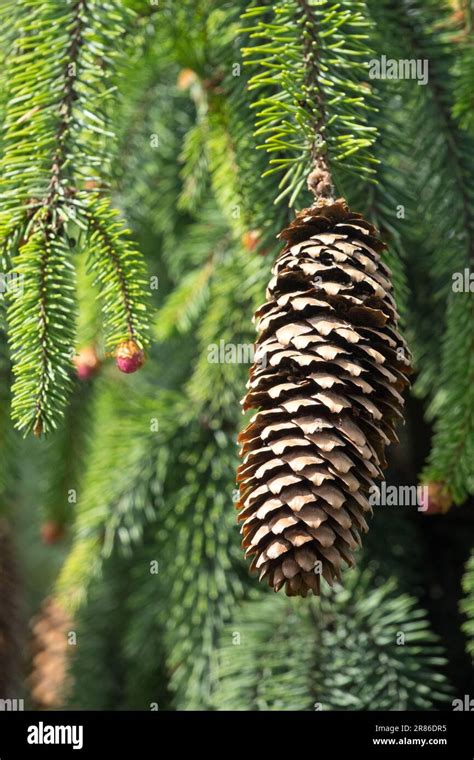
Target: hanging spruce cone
49, 680
327, 380
10, 627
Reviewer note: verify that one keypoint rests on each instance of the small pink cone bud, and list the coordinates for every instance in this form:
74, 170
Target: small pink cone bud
129, 357
51, 532
250, 239
436, 499
86, 362
186, 78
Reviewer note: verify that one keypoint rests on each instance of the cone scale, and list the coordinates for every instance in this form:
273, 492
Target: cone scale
327, 379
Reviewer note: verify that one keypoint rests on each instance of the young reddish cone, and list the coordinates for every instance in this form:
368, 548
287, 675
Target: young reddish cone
129, 357
250, 239
87, 363
186, 78
51, 532
436, 499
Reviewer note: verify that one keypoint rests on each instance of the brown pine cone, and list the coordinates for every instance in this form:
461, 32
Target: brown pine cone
327, 380
49, 680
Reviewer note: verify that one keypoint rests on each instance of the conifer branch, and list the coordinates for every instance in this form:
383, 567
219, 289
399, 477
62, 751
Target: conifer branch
320, 181
313, 104
467, 604
114, 505
55, 152
41, 324
119, 273
452, 455
308, 649
64, 127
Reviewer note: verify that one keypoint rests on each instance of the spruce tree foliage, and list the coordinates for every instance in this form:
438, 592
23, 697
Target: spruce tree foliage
467, 605
55, 167
208, 95
441, 179
452, 456
110, 652
341, 653
310, 99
